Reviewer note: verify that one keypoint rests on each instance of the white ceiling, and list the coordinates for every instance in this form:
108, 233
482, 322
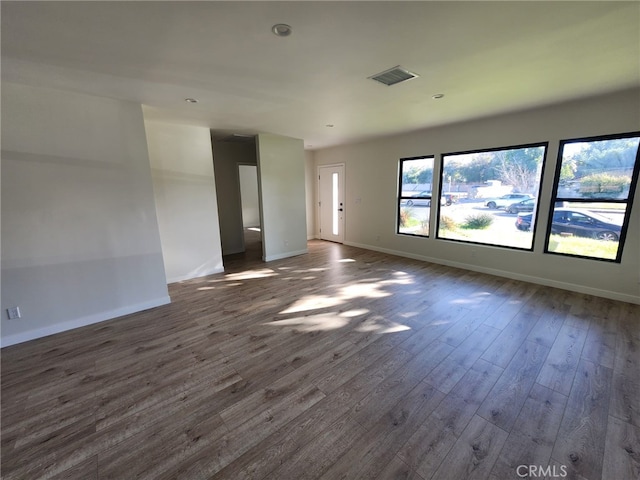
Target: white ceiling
486, 57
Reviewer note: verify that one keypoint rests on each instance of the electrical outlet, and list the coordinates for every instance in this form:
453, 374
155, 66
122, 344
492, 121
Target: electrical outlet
13, 313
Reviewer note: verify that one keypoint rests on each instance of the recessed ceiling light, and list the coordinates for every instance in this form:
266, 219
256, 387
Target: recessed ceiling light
281, 29
437, 96
191, 100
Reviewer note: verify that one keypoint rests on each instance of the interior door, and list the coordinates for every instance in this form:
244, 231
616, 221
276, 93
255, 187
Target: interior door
331, 202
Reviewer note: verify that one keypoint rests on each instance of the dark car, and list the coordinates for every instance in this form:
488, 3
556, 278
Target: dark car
523, 206
583, 223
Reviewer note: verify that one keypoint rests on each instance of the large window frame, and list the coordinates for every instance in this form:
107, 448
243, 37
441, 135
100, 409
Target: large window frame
406, 201
562, 200
539, 174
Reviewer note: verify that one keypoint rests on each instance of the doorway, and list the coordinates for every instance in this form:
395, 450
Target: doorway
331, 202
250, 204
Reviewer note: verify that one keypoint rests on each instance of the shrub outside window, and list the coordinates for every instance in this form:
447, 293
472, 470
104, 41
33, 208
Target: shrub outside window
488, 191
593, 192
414, 196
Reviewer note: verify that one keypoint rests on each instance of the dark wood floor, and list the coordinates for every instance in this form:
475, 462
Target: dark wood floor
342, 363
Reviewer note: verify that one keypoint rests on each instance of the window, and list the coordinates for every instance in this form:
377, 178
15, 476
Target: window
414, 196
592, 196
491, 196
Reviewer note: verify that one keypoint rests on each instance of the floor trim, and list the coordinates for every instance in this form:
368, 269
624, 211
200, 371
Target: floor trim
622, 297
80, 322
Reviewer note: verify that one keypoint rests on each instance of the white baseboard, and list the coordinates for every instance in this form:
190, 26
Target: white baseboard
81, 322
280, 256
503, 273
190, 276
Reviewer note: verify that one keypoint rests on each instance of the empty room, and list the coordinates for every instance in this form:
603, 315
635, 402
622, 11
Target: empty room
320, 240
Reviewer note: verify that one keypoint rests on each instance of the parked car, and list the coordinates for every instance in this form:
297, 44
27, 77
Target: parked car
583, 223
424, 202
524, 206
506, 200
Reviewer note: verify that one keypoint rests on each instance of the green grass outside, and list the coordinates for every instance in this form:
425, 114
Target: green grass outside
515, 238
587, 247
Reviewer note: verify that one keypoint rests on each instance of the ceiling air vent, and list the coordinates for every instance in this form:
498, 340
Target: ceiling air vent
394, 75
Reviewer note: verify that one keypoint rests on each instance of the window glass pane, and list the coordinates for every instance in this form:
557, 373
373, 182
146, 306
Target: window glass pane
595, 179
491, 196
587, 229
334, 198
597, 169
416, 179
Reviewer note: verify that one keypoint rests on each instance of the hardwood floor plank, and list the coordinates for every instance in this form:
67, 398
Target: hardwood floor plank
371, 453
341, 363
625, 399
263, 399
622, 450
209, 458
371, 408
503, 403
447, 374
312, 460
581, 438
267, 455
396, 469
560, 367
627, 359
376, 351
519, 295
154, 449
533, 434
546, 329
425, 450
474, 453
510, 339
600, 344
87, 470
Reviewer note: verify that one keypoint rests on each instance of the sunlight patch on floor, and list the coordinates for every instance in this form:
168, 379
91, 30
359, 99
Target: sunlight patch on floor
251, 274
312, 323
311, 302
360, 290
355, 312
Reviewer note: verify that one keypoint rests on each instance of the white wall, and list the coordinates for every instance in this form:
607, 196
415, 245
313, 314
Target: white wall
185, 196
248, 177
80, 240
311, 182
226, 158
281, 176
372, 173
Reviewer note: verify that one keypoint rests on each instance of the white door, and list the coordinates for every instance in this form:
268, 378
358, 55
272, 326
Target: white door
331, 202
